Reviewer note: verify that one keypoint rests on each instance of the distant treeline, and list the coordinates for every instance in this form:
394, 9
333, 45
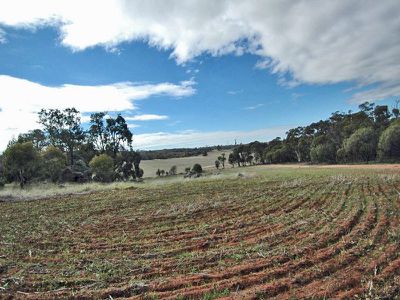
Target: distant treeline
180, 152
370, 134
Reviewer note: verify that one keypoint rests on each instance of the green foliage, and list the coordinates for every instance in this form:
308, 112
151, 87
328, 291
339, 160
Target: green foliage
139, 173
63, 128
53, 163
80, 166
279, 153
389, 143
63, 135
215, 294
197, 169
360, 146
173, 170
231, 159
97, 132
102, 167
20, 162
127, 163
222, 160
117, 134
345, 137
323, 153
217, 163
2, 182
36, 136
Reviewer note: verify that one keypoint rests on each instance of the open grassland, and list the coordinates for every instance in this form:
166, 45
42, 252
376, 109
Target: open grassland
207, 162
282, 233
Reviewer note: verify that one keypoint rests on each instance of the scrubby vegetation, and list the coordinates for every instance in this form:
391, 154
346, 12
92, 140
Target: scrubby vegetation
64, 152
371, 134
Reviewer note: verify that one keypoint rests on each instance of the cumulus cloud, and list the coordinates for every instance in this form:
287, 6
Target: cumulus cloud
20, 100
311, 41
147, 117
189, 138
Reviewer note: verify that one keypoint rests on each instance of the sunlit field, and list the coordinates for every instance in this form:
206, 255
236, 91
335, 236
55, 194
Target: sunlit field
150, 167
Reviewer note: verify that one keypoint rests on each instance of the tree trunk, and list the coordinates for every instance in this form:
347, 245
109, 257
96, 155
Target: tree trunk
21, 179
71, 156
298, 154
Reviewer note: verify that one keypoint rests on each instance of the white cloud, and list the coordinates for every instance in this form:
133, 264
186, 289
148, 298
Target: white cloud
235, 92
147, 117
133, 126
254, 106
190, 138
313, 41
20, 100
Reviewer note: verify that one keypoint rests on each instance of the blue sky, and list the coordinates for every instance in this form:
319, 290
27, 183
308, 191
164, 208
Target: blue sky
185, 85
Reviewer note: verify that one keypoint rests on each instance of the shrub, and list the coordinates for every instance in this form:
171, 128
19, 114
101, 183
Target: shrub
360, 146
197, 169
53, 163
21, 162
323, 153
139, 173
80, 166
102, 167
389, 143
2, 182
172, 171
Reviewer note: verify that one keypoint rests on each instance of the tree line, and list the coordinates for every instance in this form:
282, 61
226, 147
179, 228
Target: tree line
370, 134
63, 151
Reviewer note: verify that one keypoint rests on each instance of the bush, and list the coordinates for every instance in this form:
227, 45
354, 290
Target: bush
53, 163
102, 167
21, 162
197, 169
80, 166
360, 146
217, 164
323, 153
172, 171
139, 173
2, 182
279, 154
127, 165
389, 143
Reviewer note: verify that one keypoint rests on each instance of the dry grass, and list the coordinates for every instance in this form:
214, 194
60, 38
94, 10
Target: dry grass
207, 162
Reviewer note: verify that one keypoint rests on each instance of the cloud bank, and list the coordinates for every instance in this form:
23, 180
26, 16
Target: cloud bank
304, 41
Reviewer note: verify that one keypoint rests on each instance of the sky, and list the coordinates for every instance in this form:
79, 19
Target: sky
195, 73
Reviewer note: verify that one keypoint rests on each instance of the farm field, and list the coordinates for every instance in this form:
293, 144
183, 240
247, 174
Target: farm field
207, 162
281, 232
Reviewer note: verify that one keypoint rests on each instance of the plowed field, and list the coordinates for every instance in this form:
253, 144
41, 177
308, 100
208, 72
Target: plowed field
285, 235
